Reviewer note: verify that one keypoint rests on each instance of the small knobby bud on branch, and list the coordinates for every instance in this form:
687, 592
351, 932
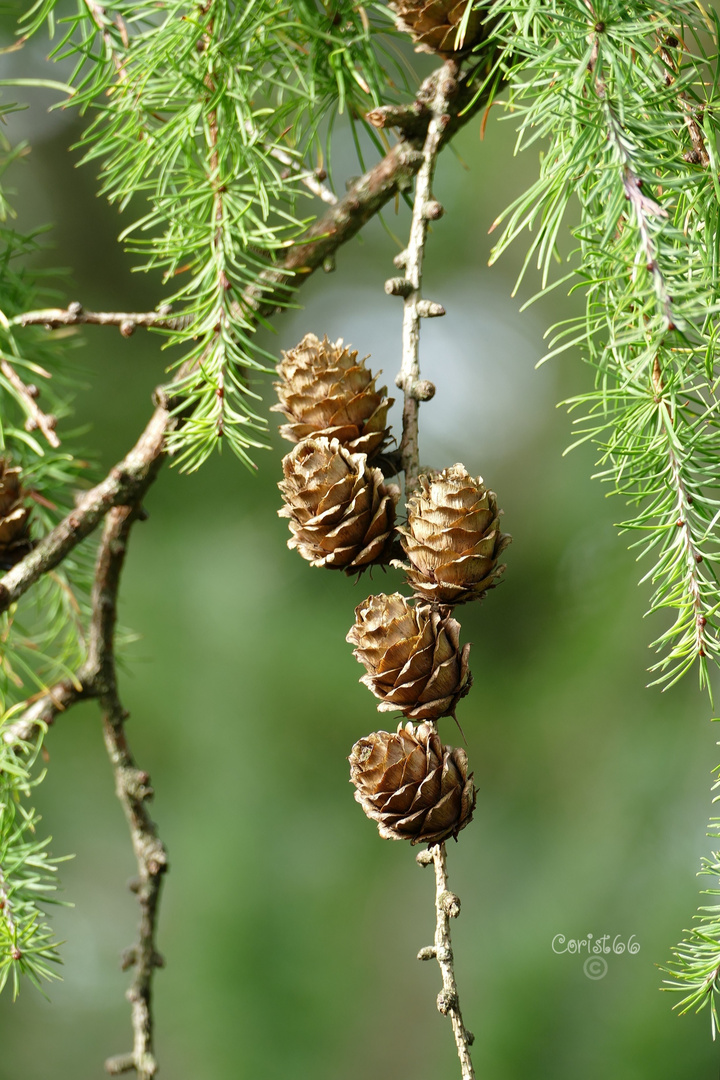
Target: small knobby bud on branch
428, 309
398, 286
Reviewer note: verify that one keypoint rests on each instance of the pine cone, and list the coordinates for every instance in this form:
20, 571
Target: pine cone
452, 538
433, 24
341, 513
325, 390
412, 655
14, 540
413, 786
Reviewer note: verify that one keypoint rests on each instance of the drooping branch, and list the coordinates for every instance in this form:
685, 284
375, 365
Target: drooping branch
132, 786
98, 679
447, 907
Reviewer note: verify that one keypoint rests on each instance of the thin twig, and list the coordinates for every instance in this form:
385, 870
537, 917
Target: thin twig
447, 907
76, 315
132, 786
440, 91
36, 417
645, 209
311, 180
425, 209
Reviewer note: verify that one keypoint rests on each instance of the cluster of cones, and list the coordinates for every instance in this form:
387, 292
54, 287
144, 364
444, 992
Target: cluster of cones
341, 514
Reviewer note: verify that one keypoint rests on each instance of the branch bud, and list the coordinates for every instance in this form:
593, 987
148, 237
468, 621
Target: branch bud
433, 210
428, 309
423, 390
447, 1001
450, 904
398, 286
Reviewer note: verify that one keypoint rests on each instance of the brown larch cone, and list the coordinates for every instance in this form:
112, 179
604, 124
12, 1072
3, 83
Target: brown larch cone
415, 788
433, 24
341, 514
14, 518
413, 657
325, 390
452, 538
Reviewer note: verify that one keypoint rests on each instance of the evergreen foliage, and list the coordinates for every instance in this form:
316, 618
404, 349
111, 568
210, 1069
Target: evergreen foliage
695, 966
207, 119
43, 639
27, 874
625, 97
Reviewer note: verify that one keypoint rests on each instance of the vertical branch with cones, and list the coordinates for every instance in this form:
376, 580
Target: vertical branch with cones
341, 515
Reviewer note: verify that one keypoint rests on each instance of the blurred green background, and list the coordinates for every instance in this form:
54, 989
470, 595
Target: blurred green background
290, 929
